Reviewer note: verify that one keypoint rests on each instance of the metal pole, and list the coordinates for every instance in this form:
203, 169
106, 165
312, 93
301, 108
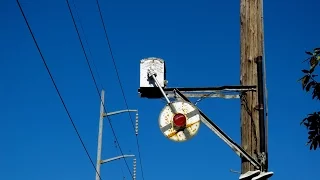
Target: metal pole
100, 136
261, 105
152, 74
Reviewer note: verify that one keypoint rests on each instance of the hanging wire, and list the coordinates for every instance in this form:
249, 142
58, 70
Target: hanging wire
119, 80
95, 83
57, 89
116, 146
88, 46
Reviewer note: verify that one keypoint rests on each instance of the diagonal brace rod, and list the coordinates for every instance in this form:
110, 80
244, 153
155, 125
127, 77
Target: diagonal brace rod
151, 73
233, 145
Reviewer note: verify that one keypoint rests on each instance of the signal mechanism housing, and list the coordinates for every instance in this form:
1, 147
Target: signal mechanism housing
159, 68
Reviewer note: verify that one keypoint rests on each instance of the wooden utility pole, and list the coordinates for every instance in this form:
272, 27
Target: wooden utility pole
251, 49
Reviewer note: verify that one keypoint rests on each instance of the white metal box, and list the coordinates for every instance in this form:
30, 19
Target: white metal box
158, 65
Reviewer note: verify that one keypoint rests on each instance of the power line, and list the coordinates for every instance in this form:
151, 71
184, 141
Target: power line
94, 80
58, 92
122, 90
123, 176
113, 60
85, 38
137, 140
90, 53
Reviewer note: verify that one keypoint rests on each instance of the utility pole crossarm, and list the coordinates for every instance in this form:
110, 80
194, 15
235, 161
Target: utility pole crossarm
116, 158
121, 111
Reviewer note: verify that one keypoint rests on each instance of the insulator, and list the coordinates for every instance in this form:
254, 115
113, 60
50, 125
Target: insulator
134, 168
137, 120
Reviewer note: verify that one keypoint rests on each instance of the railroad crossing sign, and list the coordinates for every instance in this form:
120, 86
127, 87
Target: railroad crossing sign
180, 120
181, 125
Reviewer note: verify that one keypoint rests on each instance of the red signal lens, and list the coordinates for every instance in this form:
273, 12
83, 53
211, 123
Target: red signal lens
179, 120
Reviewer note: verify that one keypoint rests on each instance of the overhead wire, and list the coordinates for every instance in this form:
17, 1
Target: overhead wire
56, 87
93, 62
96, 86
113, 59
119, 80
86, 41
115, 144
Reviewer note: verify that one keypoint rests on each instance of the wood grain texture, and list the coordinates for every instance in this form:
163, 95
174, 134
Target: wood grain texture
251, 39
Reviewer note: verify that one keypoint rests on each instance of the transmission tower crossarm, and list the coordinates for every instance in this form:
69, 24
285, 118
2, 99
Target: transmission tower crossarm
120, 111
115, 158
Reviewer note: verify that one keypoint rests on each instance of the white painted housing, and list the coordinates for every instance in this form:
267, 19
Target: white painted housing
158, 66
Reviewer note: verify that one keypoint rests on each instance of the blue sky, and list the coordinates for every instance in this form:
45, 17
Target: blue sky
199, 40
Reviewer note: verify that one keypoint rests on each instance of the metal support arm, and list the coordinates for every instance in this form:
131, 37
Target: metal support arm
233, 145
152, 74
118, 112
227, 92
116, 158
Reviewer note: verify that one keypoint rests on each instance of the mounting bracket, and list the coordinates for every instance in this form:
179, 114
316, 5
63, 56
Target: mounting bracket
226, 92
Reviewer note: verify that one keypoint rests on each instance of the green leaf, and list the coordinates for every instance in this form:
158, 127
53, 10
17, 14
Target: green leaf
305, 71
309, 53
311, 134
316, 91
313, 61
311, 84
313, 128
301, 79
305, 81
303, 120
312, 68
315, 144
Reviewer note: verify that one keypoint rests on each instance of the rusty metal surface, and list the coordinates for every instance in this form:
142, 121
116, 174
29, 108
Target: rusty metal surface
192, 125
